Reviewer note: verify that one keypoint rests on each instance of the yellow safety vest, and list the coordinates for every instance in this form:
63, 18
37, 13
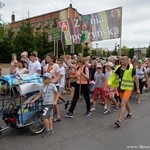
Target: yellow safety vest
126, 81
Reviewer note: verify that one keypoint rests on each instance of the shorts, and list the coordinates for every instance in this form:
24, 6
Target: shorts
96, 92
125, 95
47, 111
58, 88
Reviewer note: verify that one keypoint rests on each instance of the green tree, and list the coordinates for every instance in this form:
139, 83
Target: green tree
86, 49
108, 54
94, 53
25, 39
2, 32
125, 50
42, 46
105, 53
114, 52
78, 49
6, 45
148, 52
131, 53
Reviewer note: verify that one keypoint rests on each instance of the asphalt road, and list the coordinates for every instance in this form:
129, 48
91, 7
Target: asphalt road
96, 132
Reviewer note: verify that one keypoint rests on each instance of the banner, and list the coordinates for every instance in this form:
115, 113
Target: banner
96, 27
54, 34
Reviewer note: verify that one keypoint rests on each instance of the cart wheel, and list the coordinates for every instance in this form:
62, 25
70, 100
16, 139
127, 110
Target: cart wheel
38, 126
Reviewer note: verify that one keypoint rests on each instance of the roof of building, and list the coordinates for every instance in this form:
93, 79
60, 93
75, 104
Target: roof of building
47, 14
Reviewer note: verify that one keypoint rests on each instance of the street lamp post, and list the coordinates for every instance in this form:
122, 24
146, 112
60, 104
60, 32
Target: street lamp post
117, 49
97, 48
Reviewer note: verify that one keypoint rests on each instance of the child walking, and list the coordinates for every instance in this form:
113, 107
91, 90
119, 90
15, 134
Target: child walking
108, 91
50, 96
98, 87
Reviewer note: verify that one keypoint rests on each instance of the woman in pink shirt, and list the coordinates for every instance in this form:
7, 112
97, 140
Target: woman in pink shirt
82, 86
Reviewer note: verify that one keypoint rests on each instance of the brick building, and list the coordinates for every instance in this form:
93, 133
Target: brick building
45, 21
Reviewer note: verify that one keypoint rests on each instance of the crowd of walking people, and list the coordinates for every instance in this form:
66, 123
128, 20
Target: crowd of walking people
112, 81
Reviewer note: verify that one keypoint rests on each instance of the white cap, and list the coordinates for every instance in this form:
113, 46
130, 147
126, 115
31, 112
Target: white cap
98, 65
47, 75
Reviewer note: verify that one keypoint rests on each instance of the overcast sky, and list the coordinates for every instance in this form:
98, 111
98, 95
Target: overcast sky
136, 16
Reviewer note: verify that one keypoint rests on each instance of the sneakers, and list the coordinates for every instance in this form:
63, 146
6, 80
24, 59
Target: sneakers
116, 108
47, 133
88, 113
118, 123
56, 120
69, 115
93, 109
51, 131
106, 112
129, 116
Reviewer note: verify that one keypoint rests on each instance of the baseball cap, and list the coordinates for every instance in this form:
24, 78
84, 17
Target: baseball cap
98, 66
47, 75
109, 64
140, 61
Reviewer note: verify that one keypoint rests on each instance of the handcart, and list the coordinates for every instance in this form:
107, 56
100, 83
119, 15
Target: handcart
17, 111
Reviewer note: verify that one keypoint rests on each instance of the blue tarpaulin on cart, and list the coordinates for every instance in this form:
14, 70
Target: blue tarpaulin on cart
25, 78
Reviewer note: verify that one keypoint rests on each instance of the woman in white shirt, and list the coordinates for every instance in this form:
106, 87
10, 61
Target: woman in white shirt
142, 77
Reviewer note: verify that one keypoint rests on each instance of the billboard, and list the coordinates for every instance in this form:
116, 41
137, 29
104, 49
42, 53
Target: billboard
96, 27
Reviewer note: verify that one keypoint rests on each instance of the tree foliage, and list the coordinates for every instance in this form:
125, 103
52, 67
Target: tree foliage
2, 33
86, 49
100, 53
6, 44
125, 50
148, 52
25, 39
131, 53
